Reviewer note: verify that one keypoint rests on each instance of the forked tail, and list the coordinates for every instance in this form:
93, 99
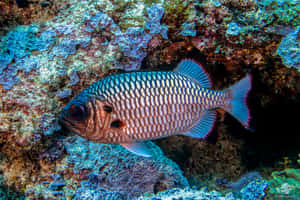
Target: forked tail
238, 103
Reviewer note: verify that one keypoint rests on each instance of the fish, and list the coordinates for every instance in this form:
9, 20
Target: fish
134, 107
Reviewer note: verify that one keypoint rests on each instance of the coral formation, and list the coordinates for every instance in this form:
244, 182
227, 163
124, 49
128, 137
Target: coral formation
280, 12
233, 29
285, 184
176, 14
255, 190
108, 171
243, 5
64, 93
188, 29
289, 49
243, 181
41, 65
38, 55
188, 193
20, 12
135, 39
227, 29
16, 46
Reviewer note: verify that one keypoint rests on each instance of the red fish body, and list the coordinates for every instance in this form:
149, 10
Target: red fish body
128, 108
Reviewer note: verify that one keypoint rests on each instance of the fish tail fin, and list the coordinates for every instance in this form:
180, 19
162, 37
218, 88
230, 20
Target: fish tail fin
238, 102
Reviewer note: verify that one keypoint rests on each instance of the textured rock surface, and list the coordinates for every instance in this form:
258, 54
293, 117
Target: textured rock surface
109, 171
289, 49
255, 190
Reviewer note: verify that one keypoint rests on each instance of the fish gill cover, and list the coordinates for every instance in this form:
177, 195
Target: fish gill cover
51, 50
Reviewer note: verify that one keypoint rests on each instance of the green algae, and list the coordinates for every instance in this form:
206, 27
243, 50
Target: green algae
285, 184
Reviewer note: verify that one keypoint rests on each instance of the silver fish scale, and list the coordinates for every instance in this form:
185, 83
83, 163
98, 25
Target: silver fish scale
155, 104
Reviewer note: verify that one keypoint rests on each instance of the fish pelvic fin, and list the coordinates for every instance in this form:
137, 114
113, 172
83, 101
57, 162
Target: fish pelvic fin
238, 103
204, 126
137, 148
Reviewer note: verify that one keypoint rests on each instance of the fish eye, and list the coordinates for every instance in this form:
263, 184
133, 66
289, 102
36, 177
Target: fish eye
117, 124
77, 112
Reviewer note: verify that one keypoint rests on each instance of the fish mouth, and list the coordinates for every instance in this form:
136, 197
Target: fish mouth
67, 124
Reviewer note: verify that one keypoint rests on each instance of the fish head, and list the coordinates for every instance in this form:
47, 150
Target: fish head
85, 115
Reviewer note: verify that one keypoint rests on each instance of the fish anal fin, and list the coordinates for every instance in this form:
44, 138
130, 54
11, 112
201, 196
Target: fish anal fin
138, 148
204, 125
194, 70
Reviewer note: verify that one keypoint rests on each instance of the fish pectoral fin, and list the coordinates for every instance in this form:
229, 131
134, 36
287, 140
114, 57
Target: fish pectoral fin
138, 148
204, 125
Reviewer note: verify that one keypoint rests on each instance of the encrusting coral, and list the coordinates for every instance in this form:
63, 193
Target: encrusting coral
107, 168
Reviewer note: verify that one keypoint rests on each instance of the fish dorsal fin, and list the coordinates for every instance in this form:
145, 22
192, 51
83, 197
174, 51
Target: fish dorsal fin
194, 70
137, 148
204, 126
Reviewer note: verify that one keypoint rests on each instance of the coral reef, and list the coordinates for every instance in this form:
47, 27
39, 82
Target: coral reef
61, 47
285, 184
15, 46
188, 29
135, 39
43, 56
226, 37
41, 67
119, 163
224, 30
289, 49
178, 13
255, 190
201, 160
243, 181
30, 55
108, 171
20, 12
280, 12
188, 193
242, 5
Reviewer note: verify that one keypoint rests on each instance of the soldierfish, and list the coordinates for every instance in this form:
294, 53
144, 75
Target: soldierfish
133, 107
